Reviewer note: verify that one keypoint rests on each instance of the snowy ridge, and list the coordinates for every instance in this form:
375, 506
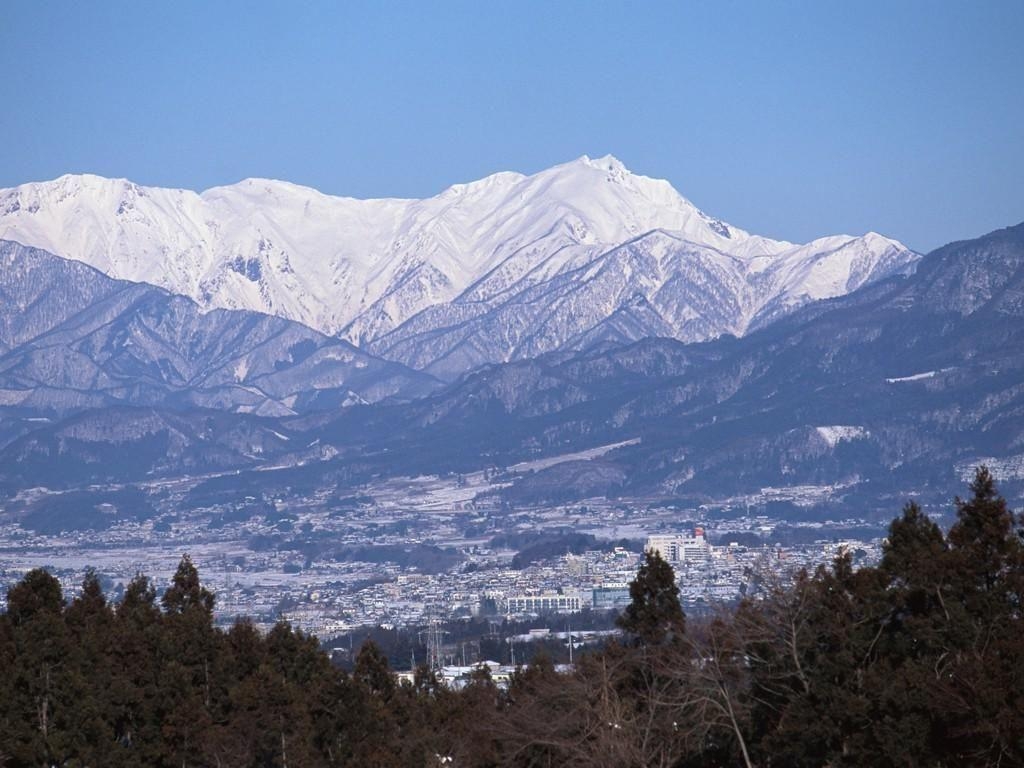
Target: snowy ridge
600, 252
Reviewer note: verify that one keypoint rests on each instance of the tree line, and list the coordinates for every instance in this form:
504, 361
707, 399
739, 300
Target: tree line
916, 662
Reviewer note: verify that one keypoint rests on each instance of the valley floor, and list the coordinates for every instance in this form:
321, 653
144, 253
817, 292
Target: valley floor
410, 550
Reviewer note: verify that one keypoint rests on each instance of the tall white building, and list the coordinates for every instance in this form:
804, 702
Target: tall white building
677, 549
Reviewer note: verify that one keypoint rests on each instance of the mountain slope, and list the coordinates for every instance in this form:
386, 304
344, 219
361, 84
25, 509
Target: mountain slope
657, 285
900, 386
72, 338
423, 280
904, 384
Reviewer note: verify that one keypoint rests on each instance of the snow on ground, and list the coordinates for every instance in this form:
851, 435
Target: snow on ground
361, 268
591, 453
430, 493
836, 434
1006, 468
917, 376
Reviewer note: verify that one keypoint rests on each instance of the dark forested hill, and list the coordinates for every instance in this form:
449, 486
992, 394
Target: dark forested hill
72, 339
908, 383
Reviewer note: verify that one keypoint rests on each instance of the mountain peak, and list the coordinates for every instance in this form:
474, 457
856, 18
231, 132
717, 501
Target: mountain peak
572, 234
604, 163
76, 183
610, 166
877, 240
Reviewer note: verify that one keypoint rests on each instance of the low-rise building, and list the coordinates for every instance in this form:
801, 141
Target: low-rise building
565, 601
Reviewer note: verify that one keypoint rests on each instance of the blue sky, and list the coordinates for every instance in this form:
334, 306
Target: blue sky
793, 120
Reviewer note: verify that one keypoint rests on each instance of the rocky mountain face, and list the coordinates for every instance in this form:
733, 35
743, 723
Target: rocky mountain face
903, 386
900, 387
501, 269
72, 339
657, 285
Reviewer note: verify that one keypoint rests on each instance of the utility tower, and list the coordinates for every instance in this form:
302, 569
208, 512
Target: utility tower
434, 641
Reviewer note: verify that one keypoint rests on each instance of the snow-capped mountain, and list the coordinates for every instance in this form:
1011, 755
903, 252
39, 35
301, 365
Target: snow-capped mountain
498, 269
658, 284
908, 382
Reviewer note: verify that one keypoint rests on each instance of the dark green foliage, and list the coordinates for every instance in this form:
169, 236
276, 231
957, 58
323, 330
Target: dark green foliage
186, 593
918, 662
654, 614
372, 671
38, 593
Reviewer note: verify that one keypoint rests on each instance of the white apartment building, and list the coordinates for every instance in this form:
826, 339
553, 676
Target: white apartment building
675, 548
567, 601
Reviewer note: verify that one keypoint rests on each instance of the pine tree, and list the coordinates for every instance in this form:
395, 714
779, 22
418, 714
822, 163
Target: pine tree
984, 543
377, 720
913, 635
914, 553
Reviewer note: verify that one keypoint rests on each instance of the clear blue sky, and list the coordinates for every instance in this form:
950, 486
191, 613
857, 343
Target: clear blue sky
789, 119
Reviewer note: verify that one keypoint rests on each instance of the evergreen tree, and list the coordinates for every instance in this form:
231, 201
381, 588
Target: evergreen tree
915, 556
654, 614
188, 649
186, 592
90, 621
134, 687
373, 672
979, 680
377, 736
906, 715
43, 687
984, 546
38, 592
